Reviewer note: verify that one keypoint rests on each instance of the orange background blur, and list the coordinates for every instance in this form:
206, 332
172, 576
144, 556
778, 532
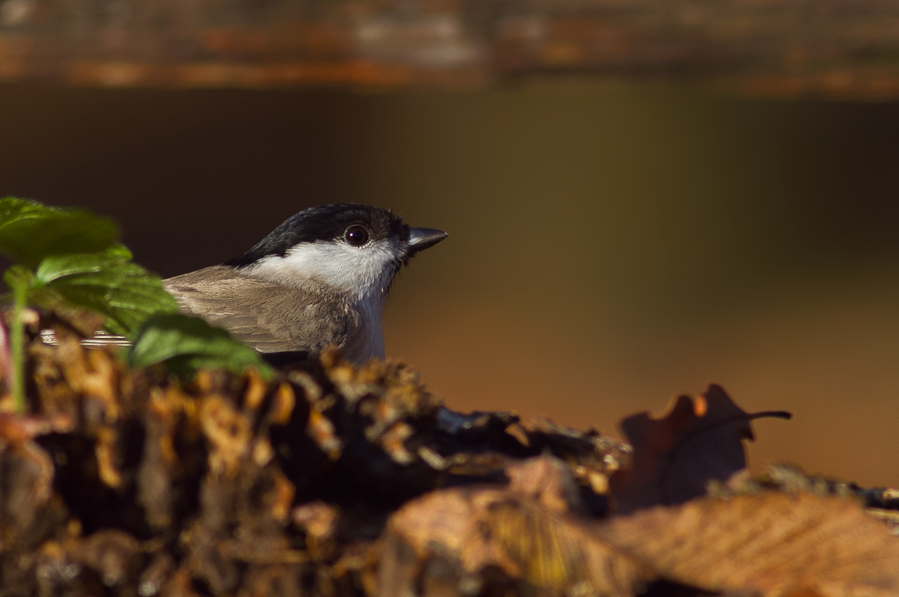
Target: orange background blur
609, 247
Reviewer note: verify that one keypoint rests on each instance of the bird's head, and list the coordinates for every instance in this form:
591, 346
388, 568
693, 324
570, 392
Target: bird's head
354, 249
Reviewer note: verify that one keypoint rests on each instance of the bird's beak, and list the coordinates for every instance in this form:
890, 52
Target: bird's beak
422, 238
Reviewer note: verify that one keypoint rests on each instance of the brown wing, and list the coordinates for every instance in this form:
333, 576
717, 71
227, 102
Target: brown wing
268, 317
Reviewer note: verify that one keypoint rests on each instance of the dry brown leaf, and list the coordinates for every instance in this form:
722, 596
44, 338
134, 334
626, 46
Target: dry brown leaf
677, 455
548, 481
228, 432
523, 532
20, 428
772, 544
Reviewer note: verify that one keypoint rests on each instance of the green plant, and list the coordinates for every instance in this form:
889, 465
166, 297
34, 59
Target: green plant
186, 344
71, 259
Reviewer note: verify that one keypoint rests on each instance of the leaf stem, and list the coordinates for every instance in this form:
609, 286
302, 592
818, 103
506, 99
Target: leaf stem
17, 344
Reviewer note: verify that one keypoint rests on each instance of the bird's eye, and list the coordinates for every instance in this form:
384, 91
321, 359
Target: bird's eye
356, 236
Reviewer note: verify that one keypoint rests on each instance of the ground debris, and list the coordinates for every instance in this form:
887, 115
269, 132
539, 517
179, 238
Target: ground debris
121, 482
332, 480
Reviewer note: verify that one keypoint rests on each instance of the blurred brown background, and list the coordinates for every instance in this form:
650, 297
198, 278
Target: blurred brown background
617, 235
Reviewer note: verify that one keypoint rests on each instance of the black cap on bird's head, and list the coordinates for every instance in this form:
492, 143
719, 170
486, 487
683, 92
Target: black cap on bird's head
354, 224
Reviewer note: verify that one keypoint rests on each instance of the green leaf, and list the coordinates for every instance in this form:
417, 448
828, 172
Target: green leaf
106, 283
29, 231
189, 343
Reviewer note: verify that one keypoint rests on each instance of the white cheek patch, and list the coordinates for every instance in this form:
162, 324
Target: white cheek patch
362, 272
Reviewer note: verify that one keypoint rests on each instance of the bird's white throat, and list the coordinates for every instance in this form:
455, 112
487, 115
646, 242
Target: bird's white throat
364, 273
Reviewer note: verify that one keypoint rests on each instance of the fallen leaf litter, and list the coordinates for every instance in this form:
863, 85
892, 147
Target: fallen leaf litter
333, 480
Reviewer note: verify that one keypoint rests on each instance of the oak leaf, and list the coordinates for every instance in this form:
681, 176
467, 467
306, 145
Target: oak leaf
770, 544
675, 457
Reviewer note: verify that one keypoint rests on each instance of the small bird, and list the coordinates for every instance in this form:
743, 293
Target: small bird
320, 278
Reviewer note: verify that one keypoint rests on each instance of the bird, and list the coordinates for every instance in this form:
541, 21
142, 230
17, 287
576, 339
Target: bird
320, 278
